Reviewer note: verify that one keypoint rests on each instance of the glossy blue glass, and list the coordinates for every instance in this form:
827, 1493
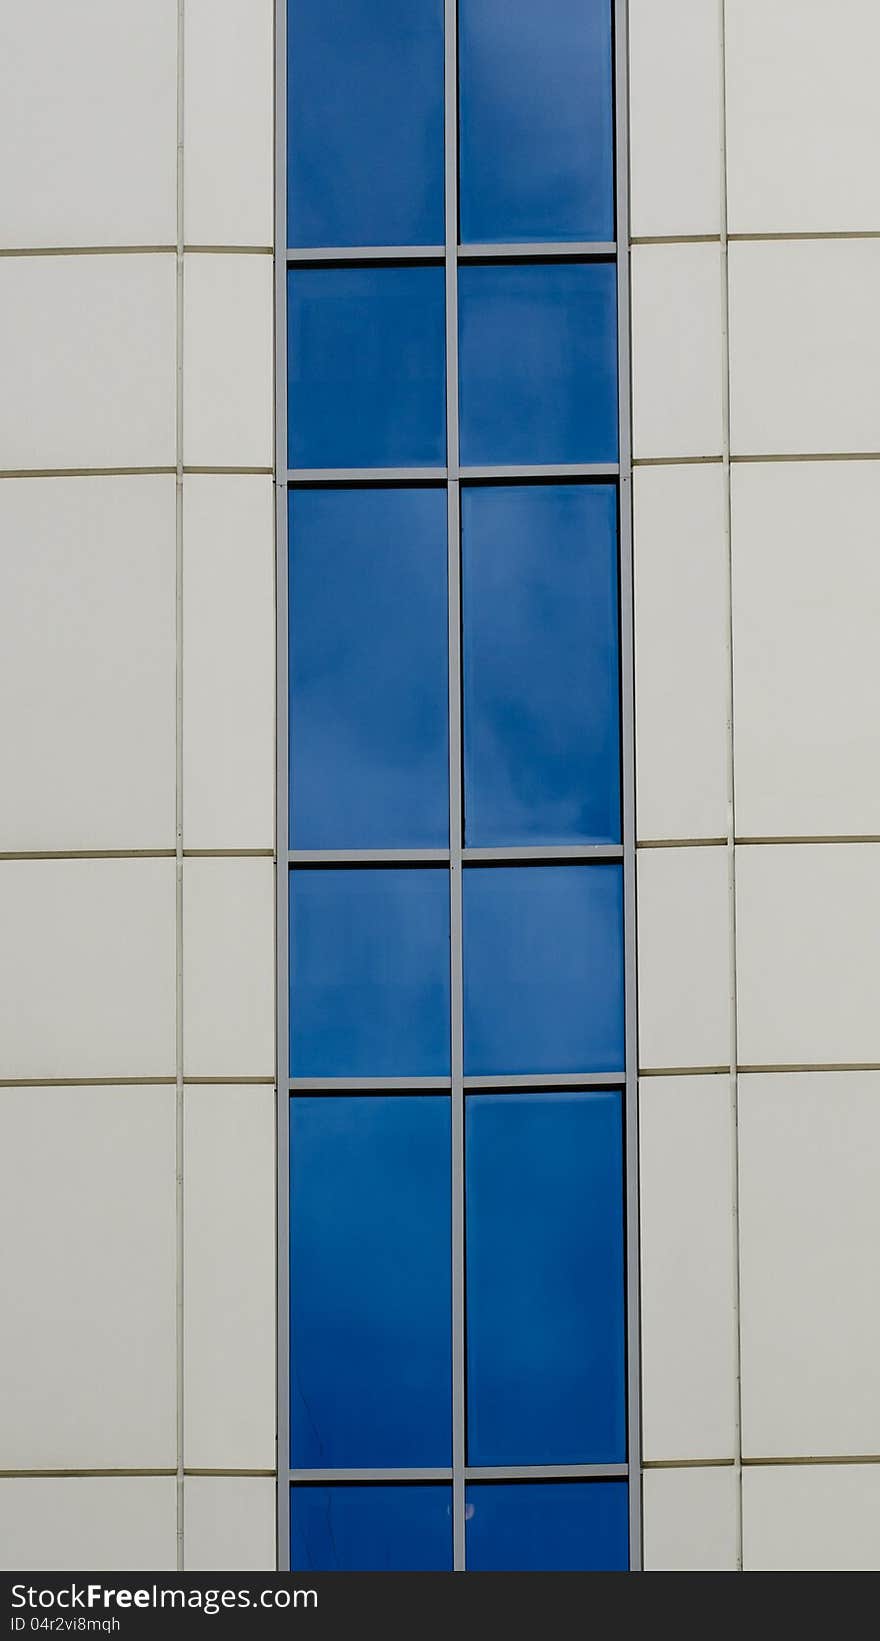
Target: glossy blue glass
538, 363
541, 664
369, 753
536, 122
366, 367
543, 969
365, 122
369, 972
370, 1280
547, 1527
546, 1375
371, 1528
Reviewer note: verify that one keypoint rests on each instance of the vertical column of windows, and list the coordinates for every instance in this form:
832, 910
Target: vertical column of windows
451, 1407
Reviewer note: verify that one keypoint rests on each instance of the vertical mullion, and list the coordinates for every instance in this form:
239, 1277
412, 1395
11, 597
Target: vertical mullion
455, 794
282, 952
633, 1318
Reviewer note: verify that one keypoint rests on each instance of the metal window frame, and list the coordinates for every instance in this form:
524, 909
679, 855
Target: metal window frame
457, 856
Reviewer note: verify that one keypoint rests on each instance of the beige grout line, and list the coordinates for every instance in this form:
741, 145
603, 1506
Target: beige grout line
758, 1070
230, 854
810, 456
134, 1082
89, 250
814, 1458
134, 250
843, 837
806, 235
684, 1071
787, 1070
675, 239
85, 472
228, 250
87, 1082
136, 854
126, 472
786, 840
756, 239
758, 1463
751, 459
675, 461
681, 843
688, 1464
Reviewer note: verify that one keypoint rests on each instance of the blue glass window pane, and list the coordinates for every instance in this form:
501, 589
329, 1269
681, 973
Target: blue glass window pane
537, 135
541, 674
547, 1527
370, 1284
366, 351
365, 122
545, 1292
369, 972
538, 363
543, 969
369, 757
371, 1529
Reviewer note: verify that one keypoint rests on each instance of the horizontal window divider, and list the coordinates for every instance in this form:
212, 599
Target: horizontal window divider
544, 1472
550, 854
440, 475
366, 475
327, 255
562, 470
367, 857
555, 250
369, 1085
567, 1079
515, 855
473, 1472
473, 1084
443, 1473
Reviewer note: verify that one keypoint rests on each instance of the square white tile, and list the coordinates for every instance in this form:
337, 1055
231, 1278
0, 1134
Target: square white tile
87, 968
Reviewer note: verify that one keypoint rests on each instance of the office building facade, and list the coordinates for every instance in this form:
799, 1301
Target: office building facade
439, 865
